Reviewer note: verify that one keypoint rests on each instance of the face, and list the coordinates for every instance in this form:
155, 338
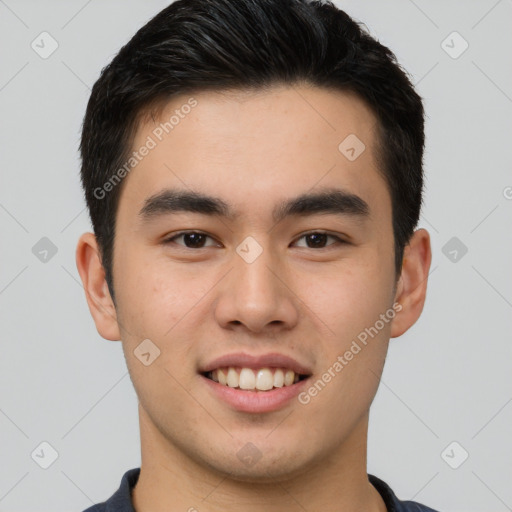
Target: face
258, 282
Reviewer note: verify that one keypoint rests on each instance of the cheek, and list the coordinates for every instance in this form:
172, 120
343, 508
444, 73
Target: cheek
154, 296
161, 302
346, 299
354, 352
153, 304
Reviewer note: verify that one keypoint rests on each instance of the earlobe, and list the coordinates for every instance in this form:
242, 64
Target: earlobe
412, 285
101, 305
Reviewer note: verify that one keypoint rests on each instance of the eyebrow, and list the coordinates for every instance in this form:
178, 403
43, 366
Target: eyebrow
327, 201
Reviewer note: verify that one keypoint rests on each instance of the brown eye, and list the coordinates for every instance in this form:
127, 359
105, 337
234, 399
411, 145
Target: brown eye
191, 239
318, 240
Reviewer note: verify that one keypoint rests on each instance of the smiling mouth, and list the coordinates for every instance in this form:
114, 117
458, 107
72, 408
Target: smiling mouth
247, 379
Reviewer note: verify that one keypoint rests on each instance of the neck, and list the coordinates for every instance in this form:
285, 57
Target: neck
172, 481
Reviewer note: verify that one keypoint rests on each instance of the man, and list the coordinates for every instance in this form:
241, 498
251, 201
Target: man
253, 172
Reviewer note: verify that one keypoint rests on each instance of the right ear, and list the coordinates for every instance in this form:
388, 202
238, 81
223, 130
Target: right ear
92, 273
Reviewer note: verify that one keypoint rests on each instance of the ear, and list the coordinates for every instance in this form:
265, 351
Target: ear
92, 273
412, 285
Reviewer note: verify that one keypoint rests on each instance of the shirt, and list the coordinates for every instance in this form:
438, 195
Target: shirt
121, 500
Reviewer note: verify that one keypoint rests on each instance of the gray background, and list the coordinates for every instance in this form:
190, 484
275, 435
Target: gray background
447, 379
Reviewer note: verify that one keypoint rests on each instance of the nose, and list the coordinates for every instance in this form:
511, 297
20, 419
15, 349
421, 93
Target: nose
257, 295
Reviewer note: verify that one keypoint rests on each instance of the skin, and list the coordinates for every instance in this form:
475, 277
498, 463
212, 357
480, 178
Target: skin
254, 150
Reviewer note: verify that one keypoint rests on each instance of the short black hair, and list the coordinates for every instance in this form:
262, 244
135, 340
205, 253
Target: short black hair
197, 45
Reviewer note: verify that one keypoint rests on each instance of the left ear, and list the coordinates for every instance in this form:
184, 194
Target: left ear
412, 285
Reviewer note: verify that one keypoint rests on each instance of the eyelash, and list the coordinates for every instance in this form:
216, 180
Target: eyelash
181, 233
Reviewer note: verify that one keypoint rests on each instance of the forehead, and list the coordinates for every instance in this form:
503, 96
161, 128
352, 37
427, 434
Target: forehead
258, 145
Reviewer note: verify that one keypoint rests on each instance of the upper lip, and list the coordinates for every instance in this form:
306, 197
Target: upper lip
243, 360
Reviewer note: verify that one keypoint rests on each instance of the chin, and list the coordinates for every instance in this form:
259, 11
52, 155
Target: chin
263, 468
262, 473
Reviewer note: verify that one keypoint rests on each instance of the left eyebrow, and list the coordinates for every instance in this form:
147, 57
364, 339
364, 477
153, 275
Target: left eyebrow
327, 201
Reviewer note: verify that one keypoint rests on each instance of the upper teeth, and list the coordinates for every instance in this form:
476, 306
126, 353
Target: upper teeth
262, 379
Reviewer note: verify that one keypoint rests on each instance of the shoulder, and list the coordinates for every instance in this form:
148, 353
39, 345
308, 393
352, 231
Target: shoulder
393, 504
121, 500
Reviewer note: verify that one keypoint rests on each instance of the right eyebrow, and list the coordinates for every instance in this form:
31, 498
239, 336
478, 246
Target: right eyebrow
172, 201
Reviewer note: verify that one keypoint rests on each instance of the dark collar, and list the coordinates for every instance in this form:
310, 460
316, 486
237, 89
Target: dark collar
121, 500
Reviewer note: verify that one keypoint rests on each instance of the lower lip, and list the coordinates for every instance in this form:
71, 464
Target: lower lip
255, 401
